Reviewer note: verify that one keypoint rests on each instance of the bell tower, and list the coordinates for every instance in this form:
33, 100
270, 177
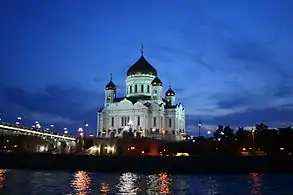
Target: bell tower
110, 92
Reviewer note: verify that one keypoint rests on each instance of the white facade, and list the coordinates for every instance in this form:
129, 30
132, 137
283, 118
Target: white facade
143, 111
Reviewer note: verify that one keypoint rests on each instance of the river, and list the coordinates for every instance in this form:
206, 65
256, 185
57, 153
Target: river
19, 182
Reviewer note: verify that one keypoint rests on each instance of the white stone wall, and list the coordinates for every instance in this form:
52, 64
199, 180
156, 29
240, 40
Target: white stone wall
171, 99
156, 93
100, 122
139, 80
113, 113
126, 110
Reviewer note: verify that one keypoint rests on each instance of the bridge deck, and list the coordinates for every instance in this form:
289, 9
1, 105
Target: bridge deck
37, 132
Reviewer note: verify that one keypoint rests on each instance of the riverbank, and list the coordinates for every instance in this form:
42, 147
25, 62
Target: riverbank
148, 164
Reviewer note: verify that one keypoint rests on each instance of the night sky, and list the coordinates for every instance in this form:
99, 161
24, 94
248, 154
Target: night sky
230, 62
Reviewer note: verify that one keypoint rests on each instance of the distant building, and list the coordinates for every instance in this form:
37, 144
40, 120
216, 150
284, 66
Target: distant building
143, 111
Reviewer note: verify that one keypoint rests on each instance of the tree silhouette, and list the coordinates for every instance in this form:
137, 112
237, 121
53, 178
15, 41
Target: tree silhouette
244, 137
228, 132
223, 132
219, 131
261, 127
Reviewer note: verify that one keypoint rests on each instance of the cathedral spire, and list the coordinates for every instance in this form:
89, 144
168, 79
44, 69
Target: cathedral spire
141, 49
111, 75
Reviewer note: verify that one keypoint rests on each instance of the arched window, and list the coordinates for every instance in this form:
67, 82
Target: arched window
148, 89
141, 88
130, 89
135, 88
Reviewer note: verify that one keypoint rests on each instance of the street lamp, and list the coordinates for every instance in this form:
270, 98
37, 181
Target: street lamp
18, 119
37, 124
80, 132
85, 126
253, 141
199, 127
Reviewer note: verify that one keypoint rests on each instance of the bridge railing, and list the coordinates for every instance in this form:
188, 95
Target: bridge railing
36, 130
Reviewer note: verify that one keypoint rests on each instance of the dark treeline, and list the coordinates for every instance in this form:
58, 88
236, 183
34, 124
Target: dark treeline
262, 140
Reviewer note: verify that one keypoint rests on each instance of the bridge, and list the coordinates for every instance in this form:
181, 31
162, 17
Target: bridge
50, 140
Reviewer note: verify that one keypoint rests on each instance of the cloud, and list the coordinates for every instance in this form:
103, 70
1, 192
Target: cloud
181, 55
51, 118
64, 105
274, 117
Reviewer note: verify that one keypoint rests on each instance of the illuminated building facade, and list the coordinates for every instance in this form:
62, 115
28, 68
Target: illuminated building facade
143, 111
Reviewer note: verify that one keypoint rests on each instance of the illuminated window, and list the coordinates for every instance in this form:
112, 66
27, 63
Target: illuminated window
138, 121
135, 88
155, 121
141, 89
112, 121
170, 122
148, 89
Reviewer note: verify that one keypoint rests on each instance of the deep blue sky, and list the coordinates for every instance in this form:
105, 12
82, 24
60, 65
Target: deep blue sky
230, 61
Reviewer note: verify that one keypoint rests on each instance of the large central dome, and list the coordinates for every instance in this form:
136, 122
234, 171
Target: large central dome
142, 66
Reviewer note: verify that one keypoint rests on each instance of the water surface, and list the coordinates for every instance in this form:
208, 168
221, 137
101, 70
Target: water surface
19, 182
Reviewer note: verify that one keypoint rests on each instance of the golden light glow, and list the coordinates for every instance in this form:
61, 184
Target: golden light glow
81, 183
3, 173
164, 186
182, 154
104, 188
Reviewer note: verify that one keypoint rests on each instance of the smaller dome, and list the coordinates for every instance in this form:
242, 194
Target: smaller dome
156, 82
111, 86
170, 92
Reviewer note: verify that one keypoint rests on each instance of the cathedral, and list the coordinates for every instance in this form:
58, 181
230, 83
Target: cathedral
143, 112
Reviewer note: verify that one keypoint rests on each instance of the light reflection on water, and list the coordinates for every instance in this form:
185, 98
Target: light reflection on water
2, 177
255, 184
128, 184
16, 182
81, 183
160, 183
